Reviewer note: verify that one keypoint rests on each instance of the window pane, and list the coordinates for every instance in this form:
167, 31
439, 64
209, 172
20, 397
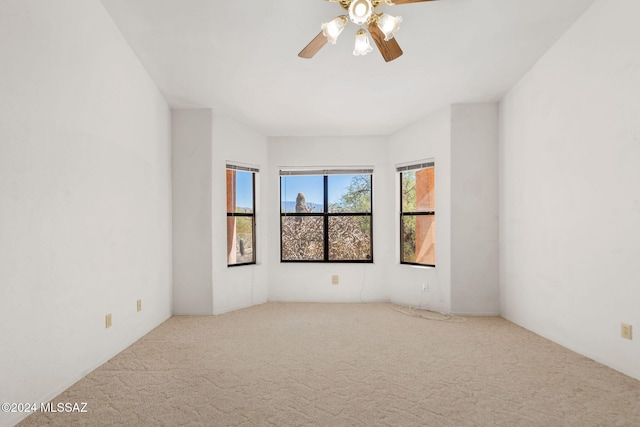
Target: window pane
425, 200
240, 245
349, 193
409, 191
303, 193
239, 191
244, 192
418, 239
302, 238
350, 238
418, 193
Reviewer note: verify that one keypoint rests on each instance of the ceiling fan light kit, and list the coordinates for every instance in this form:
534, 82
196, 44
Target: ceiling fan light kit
381, 26
363, 46
332, 29
389, 25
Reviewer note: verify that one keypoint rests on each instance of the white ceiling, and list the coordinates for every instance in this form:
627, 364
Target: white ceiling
239, 57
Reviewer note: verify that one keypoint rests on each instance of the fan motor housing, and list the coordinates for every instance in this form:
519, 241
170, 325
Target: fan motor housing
360, 11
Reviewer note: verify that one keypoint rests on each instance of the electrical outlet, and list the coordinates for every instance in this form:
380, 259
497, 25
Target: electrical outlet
424, 287
335, 279
139, 305
107, 321
625, 331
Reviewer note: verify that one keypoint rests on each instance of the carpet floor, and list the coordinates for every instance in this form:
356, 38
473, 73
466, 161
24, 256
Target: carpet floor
302, 364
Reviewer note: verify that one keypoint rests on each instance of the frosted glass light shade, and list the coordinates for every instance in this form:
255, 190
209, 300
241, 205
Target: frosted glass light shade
363, 46
360, 11
389, 25
332, 29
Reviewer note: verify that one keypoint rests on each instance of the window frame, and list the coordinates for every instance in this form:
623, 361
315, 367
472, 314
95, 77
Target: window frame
235, 167
326, 214
401, 169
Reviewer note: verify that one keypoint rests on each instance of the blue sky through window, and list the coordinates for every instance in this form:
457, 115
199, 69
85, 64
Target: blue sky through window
312, 186
338, 185
244, 189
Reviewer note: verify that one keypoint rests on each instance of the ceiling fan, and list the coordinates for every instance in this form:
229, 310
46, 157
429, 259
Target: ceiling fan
381, 26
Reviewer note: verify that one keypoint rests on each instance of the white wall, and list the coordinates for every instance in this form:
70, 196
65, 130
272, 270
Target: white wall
311, 281
241, 286
474, 209
85, 201
463, 141
569, 194
203, 143
192, 229
430, 138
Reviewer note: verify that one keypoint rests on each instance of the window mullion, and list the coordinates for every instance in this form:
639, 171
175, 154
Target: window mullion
326, 218
253, 220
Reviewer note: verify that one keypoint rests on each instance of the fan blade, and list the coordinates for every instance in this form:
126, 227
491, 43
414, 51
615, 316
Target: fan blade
389, 49
313, 47
408, 1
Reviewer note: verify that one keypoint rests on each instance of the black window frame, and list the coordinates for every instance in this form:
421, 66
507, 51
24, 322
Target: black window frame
326, 214
413, 167
251, 215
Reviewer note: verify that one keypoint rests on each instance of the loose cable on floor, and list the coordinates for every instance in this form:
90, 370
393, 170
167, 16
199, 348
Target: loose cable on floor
428, 314
364, 275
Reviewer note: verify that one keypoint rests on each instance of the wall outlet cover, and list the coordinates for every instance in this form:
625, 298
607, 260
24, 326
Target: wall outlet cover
625, 331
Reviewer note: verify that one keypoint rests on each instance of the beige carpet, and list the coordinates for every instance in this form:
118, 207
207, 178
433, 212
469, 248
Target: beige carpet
347, 365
